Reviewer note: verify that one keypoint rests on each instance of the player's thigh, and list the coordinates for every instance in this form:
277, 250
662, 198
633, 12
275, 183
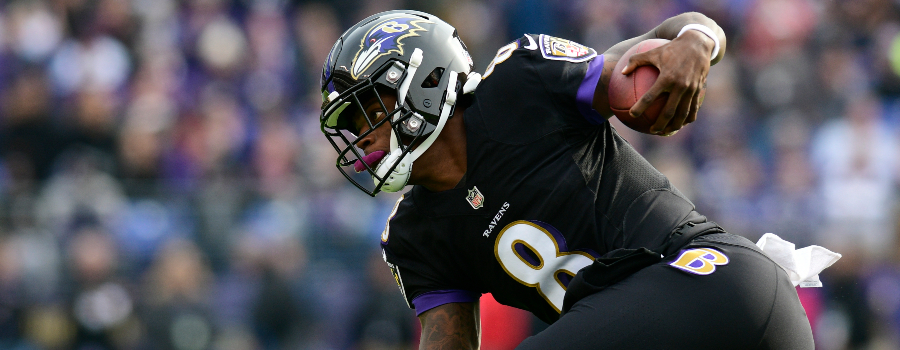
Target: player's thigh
661, 307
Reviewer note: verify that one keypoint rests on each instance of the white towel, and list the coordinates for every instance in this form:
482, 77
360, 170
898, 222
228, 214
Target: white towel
802, 265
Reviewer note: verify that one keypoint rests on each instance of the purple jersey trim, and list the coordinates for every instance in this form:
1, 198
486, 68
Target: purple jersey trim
585, 96
433, 299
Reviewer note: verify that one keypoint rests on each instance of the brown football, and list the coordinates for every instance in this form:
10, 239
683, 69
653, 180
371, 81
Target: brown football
626, 90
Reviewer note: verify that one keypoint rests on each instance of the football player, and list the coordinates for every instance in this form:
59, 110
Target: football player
522, 189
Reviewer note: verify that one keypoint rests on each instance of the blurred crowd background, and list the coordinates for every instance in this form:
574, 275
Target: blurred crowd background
164, 183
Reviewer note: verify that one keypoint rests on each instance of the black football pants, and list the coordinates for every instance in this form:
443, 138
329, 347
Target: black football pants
746, 303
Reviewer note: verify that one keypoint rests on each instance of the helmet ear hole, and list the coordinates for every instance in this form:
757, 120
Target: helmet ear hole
433, 78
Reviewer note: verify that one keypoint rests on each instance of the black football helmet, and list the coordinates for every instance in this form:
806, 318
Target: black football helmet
415, 56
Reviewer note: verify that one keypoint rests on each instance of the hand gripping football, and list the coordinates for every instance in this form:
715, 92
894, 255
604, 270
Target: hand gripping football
626, 90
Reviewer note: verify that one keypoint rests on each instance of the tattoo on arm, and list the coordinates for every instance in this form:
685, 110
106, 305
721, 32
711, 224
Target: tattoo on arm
451, 326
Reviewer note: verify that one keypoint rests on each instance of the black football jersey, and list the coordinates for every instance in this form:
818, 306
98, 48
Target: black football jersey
549, 187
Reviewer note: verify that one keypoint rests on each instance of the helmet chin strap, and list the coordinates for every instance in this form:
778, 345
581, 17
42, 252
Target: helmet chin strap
398, 178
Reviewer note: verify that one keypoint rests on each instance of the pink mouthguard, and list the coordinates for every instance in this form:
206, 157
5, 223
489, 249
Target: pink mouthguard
371, 159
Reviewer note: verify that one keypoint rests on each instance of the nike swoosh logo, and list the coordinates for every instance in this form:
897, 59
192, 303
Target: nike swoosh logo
531, 44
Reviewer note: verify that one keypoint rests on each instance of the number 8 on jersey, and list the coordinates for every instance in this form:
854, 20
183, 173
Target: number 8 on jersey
537, 258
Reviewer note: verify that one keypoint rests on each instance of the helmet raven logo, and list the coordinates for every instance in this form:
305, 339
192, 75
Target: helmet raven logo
383, 39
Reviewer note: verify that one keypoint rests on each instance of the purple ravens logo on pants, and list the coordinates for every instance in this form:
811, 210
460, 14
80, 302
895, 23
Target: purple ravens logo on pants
384, 38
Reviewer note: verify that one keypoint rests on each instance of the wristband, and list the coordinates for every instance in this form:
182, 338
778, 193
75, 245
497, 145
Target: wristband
706, 31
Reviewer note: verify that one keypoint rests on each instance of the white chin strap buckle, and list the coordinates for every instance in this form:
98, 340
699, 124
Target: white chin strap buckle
472, 81
398, 178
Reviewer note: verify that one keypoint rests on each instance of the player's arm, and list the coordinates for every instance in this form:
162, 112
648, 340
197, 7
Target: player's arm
451, 326
683, 65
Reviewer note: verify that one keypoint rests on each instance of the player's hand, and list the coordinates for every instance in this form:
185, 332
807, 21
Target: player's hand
683, 65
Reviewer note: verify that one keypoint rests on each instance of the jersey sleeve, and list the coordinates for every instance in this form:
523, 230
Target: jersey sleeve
426, 272
543, 68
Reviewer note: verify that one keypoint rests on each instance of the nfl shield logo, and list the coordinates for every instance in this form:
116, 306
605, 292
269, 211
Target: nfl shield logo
475, 198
